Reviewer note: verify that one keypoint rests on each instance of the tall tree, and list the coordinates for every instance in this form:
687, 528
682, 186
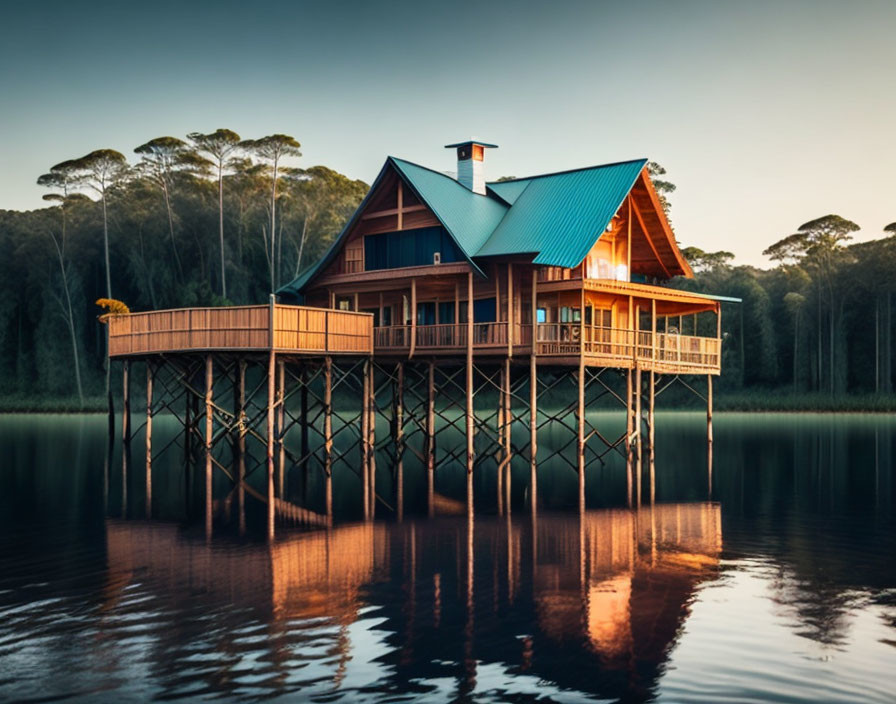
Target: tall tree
819, 245
63, 177
100, 170
273, 149
160, 159
218, 146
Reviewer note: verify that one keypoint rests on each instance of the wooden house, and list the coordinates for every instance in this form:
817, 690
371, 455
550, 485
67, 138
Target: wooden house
579, 255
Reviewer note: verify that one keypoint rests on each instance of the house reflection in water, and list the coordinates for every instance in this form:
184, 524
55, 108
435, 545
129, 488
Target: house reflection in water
592, 603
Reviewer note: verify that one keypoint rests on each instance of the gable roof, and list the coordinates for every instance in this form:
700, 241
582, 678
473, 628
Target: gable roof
469, 217
558, 217
555, 217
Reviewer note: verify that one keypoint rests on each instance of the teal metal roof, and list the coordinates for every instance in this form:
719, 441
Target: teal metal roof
508, 191
469, 217
558, 217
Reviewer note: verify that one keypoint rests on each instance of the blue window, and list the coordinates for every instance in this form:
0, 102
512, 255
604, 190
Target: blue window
394, 250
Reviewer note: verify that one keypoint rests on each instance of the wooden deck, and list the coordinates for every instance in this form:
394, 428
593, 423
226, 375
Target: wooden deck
308, 331
666, 353
285, 329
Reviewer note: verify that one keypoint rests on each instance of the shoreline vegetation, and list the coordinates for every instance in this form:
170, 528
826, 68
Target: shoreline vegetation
772, 401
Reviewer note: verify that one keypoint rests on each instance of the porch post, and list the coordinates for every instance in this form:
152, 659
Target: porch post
413, 317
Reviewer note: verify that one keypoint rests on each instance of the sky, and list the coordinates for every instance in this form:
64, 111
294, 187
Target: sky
764, 114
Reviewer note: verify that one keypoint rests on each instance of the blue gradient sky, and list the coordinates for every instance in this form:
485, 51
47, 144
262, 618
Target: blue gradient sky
766, 114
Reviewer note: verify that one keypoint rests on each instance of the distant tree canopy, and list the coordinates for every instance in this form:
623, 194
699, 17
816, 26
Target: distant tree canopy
175, 226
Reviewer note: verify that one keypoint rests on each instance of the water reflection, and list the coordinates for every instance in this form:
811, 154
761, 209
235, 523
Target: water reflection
525, 596
798, 602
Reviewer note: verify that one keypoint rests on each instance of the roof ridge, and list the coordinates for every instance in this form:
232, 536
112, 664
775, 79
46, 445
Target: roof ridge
567, 171
438, 173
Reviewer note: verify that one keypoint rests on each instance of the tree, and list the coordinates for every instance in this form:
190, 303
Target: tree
663, 188
819, 246
63, 177
794, 303
701, 261
100, 170
218, 146
161, 158
273, 149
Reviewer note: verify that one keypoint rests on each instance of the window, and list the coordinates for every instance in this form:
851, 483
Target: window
395, 250
343, 303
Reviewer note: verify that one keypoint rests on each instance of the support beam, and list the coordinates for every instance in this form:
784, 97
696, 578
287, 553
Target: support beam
399, 441
651, 435
328, 438
533, 400
281, 412
471, 456
125, 434
209, 418
430, 439
241, 447
629, 428
499, 465
580, 409
508, 433
149, 380
272, 369
580, 427
371, 437
365, 437
638, 427
709, 434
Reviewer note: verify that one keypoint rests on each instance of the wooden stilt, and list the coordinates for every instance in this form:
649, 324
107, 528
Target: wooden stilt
499, 468
580, 426
709, 434
281, 413
365, 437
149, 380
580, 409
271, 400
125, 434
651, 435
430, 439
189, 419
629, 446
303, 396
638, 427
508, 434
241, 447
533, 400
328, 438
399, 441
471, 457
209, 418
371, 438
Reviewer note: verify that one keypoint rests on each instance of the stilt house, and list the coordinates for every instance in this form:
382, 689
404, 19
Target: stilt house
559, 265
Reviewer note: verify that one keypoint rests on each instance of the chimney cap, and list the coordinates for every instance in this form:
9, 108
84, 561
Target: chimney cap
470, 142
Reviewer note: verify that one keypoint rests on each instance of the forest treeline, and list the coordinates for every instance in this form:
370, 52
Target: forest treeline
213, 218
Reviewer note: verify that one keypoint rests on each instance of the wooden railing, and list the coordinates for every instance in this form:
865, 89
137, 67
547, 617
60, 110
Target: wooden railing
279, 327
563, 340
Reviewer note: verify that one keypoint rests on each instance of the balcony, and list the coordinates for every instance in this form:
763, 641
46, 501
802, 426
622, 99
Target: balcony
602, 346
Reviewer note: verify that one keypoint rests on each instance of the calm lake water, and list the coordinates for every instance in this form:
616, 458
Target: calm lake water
782, 587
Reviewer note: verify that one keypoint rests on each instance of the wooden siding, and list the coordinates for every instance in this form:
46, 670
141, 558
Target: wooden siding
294, 329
